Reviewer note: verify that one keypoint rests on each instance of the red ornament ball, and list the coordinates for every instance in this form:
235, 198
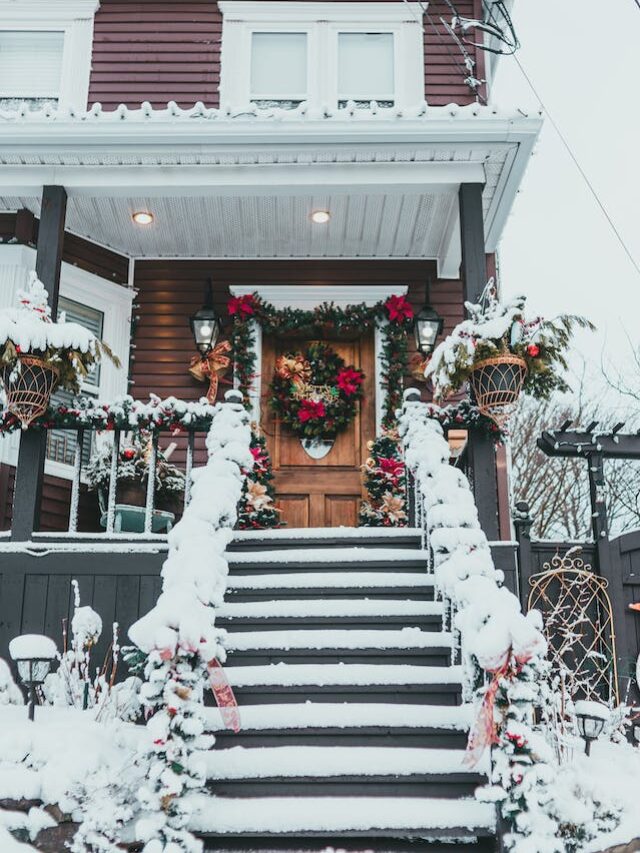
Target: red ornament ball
533, 350
128, 453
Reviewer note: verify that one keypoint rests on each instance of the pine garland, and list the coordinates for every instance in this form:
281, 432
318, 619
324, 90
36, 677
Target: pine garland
385, 482
394, 317
256, 510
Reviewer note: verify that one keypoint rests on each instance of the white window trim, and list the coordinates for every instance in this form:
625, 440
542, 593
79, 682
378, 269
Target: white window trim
75, 19
322, 22
113, 300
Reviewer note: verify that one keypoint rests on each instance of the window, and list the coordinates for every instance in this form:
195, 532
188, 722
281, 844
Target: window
328, 54
45, 52
366, 69
62, 443
22, 78
278, 68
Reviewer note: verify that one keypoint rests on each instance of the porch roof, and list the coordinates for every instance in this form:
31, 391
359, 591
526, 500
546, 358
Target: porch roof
241, 183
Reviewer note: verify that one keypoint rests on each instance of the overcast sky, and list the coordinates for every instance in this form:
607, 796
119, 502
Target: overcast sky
557, 248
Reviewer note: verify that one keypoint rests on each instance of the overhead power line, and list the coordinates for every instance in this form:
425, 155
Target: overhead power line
576, 163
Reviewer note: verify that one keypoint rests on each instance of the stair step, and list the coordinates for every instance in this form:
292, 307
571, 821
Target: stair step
301, 608
406, 639
322, 537
329, 559
365, 817
305, 770
352, 675
331, 646
345, 584
343, 716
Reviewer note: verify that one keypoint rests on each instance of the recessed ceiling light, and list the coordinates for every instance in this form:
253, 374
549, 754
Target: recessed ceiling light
143, 217
320, 217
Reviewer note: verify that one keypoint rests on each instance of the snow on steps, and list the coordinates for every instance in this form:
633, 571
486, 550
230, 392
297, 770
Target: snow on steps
319, 715
405, 639
304, 608
341, 556
348, 816
328, 580
324, 675
238, 762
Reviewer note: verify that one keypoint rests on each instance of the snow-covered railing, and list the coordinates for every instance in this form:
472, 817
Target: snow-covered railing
501, 650
179, 644
119, 422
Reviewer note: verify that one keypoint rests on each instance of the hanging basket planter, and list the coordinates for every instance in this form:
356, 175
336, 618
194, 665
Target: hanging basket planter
497, 384
29, 386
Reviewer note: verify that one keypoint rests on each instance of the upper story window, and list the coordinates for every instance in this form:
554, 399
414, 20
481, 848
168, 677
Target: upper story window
30, 67
328, 54
45, 52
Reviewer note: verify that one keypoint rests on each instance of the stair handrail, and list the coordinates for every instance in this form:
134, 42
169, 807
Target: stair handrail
502, 651
179, 645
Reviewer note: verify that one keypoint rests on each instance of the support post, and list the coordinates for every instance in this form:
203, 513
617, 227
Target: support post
30, 470
481, 452
523, 523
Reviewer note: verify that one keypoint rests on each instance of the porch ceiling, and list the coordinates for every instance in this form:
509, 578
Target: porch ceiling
245, 187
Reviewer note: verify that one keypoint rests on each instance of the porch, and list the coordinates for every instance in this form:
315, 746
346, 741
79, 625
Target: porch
410, 197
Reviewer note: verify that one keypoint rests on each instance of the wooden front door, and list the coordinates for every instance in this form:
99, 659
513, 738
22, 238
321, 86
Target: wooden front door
320, 492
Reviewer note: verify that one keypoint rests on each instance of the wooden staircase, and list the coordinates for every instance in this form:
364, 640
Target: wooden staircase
353, 735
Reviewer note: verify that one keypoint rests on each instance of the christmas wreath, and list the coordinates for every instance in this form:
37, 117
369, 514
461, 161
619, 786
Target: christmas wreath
315, 393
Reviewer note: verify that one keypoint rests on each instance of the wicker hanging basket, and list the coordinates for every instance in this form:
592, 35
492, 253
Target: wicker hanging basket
497, 384
29, 387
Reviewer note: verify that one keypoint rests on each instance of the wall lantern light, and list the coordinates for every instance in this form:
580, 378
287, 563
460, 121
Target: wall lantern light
427, 325
205, 324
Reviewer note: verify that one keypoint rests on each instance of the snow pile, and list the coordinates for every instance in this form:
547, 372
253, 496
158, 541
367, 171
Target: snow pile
32, 646
28, 327
63, 759
179, 642
10, 693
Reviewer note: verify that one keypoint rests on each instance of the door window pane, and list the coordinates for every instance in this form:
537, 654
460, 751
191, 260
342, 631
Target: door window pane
30, 65
366, 68
279, 68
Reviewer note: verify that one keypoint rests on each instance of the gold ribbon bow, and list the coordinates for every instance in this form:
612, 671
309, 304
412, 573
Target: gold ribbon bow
209, 366
294, 367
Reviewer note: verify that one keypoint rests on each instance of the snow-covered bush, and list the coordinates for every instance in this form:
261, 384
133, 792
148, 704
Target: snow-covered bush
74, 685
10, 693
179, 646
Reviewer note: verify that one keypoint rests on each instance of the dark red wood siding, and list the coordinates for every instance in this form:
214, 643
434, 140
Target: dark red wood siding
157, 51
169, 291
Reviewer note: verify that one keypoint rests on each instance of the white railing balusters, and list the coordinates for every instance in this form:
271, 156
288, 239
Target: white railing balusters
151, 484
75, 483
189, 467
113, 482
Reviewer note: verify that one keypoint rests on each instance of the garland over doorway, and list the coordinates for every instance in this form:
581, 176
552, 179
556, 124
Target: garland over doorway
393, 317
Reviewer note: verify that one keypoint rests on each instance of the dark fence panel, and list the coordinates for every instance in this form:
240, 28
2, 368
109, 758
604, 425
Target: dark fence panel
36, 592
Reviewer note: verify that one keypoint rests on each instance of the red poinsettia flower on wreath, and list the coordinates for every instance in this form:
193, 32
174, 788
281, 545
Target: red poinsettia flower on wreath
311, 410
243, 306
349, 380
399, 309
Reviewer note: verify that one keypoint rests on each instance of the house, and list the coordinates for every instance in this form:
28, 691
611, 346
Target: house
308, 153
